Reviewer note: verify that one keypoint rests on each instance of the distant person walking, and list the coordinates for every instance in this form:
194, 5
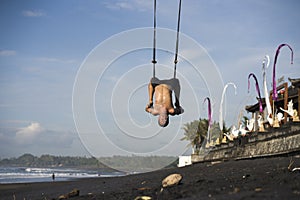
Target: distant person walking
53, 177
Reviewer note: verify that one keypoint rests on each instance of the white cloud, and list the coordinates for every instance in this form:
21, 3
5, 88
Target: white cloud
7, 53
36, 135
48, 59
33, 137
140, 5
28, 134
33, 13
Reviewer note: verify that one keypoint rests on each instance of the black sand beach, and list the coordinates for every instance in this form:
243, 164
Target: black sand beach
263, 178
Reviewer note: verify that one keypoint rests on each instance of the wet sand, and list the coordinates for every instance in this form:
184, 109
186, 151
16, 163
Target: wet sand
263, 178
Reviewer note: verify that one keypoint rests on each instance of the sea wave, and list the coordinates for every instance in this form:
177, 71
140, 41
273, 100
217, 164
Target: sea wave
26, 174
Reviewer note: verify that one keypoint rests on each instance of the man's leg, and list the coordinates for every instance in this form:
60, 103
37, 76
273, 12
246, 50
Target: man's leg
150, 92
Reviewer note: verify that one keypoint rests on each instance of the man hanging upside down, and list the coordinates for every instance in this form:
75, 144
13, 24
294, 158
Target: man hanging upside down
163, 99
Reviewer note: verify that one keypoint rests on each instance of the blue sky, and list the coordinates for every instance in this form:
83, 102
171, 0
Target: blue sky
43, 45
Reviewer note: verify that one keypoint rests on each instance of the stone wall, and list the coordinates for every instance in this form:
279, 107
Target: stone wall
259, 144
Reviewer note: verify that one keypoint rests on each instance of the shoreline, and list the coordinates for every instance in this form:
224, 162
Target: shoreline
261, 178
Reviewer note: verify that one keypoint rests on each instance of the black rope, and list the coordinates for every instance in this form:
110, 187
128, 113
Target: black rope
177, 40
154, 39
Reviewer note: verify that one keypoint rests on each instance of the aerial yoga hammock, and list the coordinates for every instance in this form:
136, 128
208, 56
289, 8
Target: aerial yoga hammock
162, 89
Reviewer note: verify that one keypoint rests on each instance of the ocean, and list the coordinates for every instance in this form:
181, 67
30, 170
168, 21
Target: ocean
33, 174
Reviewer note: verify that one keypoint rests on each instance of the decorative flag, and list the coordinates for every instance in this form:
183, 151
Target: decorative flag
257, 89
221, 104
275, 95
266, 92
209, 111
209, 118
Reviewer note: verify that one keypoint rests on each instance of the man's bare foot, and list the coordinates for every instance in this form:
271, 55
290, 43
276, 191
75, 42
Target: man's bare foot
179, 110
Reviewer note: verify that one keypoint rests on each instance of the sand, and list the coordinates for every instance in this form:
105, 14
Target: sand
263, 178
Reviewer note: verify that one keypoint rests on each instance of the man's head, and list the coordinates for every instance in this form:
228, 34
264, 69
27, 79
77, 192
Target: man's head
163, 118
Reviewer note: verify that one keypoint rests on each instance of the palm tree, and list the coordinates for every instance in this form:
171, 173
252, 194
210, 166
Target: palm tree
196, 132
244, 121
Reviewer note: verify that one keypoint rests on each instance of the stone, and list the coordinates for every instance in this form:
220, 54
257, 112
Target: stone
172, 179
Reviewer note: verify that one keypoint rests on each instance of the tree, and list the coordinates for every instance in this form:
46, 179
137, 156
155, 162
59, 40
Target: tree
225, 130
27, 159
244, 121
196, 132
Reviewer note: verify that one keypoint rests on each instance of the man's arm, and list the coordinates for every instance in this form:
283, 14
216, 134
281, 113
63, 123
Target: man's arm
176, 111
151, 87
151, 110
150, 93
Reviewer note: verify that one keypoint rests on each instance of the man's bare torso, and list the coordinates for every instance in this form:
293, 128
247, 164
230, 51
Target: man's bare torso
162, 91
163, 97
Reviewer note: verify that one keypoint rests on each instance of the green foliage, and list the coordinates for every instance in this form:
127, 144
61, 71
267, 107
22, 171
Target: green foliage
196, 131
139, 163
28, 160
225, 129
244, 122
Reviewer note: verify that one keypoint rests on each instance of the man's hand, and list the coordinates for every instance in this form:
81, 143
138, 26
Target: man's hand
148, 106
